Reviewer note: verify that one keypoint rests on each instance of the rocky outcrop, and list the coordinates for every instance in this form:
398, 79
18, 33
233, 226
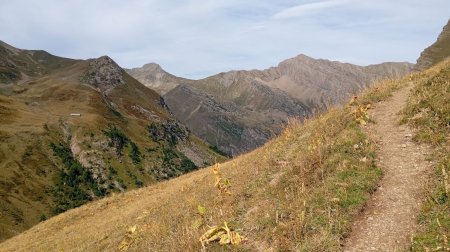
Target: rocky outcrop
104, 74
170, 131
437, 52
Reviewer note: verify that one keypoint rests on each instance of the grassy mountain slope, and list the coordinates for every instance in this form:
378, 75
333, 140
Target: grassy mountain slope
256, 104
436, 52
429, 112
50, 161
299, 191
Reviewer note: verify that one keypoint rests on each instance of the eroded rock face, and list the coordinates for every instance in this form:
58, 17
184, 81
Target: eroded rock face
104, 74
436, 52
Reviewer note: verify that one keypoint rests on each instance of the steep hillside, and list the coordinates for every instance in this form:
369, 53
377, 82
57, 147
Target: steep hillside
78, 131
436, 52
299, 191
237, 117
230, 108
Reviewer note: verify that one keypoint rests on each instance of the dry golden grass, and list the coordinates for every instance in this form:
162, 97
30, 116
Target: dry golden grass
429, 112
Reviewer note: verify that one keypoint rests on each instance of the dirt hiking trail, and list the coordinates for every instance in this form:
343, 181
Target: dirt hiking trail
389, 219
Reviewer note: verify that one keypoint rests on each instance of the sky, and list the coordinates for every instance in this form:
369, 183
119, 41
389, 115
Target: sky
198, 38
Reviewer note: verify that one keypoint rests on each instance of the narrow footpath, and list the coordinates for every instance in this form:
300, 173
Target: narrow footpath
389, 219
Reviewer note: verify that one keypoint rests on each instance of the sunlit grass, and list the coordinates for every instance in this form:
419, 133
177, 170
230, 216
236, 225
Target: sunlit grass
428, 111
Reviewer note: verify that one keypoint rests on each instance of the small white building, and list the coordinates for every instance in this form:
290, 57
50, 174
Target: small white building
75, 114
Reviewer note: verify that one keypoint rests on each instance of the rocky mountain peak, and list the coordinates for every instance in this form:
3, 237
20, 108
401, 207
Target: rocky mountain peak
155, 77
300, 64
153, 67
150, 70
104, 74
301, 58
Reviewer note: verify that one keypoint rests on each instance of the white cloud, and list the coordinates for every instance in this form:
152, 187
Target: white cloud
308, 9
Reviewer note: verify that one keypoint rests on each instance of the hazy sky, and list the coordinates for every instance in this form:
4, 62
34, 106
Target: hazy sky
196, 38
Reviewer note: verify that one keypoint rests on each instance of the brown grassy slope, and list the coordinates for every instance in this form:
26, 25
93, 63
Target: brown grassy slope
298, 192
27, 169
21, 207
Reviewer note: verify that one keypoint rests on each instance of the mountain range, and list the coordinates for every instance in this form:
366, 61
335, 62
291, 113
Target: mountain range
73, 131
238, 111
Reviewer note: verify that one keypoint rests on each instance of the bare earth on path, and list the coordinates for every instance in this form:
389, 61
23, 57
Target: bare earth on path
389, 219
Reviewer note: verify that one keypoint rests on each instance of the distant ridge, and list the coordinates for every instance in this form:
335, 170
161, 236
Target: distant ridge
21, 65
240, 110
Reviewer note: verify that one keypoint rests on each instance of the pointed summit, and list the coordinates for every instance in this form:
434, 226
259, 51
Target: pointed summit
153, 67
104, 73
155, 77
